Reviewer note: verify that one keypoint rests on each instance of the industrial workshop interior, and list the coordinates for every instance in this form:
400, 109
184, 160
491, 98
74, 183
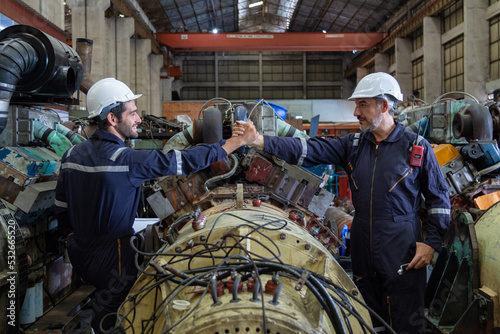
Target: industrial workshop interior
248, 203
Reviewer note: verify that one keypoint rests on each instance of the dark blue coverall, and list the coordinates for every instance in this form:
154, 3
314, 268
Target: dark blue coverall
97, 195
387, 195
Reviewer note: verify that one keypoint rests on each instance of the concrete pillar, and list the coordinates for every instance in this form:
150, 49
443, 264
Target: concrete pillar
361, 72
109, 66
167, 89
382, 62
155, 65
88, 21
433, 65
124, 30
52, 10
476, 38
141, 48
403, 65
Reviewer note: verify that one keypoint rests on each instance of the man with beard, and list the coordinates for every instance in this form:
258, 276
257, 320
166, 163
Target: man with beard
387, 185
98, 192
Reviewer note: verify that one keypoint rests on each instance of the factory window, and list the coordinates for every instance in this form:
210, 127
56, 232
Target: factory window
417, 38
453, 15
454, 65
198, 71
197, 93
495, 48
283, 93
280, 70
238, 71
418, 77
239, 93
324, 92
324, 69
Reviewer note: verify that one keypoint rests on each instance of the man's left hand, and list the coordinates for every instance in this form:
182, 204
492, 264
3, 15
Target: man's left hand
423, 256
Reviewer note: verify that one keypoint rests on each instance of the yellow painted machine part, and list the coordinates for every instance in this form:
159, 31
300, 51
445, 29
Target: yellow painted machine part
445, 153
298, 312
488, 237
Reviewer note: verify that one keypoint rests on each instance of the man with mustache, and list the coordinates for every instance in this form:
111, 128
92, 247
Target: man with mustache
391, 178
98, 192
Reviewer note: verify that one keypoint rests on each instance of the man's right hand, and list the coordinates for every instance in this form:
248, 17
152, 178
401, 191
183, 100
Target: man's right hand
245, 134
246, 130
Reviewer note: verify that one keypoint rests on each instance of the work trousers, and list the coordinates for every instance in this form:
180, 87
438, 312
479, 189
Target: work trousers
397, 299
108, 265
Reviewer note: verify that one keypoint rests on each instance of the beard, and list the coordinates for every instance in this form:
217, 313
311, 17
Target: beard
372, 125
127, 131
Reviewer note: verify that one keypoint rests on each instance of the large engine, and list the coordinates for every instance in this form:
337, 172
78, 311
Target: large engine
243, 266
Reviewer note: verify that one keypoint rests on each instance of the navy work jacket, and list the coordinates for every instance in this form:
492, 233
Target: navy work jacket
383, 184
99, 184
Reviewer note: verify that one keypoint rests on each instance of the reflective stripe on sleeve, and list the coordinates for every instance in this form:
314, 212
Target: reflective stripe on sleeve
69, 151
304, 151
94, 169
178, 158
439, 211
117, 153
60, 204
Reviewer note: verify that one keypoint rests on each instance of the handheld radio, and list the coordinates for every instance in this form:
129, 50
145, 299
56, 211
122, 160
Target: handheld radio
417, 151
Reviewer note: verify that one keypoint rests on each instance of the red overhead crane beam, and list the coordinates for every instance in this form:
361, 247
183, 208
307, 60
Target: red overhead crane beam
290, 41
22, 14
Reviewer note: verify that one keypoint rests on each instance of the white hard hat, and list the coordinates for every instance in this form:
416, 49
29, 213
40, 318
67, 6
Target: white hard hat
107, 92
377, 85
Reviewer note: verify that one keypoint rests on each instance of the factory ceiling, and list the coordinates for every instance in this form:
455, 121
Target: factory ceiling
271, 16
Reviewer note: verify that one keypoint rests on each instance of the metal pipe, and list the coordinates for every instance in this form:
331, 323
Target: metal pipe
235, 290
84, 50
277, 294
255, 292
17, 58
474, 123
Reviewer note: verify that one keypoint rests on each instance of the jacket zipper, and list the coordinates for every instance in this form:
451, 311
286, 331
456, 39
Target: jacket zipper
389, 309
371, 206
119, 258
401, 179
352, 171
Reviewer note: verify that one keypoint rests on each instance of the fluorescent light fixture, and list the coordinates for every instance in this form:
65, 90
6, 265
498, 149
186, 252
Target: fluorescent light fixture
215, 30
324, 31
255, 4
121, 15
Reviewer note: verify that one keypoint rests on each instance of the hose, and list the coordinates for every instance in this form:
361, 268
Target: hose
17, 58
223, 176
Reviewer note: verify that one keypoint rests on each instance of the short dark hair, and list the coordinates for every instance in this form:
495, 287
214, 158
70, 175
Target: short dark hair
116, 110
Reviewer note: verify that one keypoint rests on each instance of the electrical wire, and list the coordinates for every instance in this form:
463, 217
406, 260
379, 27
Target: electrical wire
216, 99
335, 300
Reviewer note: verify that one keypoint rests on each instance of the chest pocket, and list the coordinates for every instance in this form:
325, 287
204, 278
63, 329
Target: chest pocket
403, 186
405, 174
